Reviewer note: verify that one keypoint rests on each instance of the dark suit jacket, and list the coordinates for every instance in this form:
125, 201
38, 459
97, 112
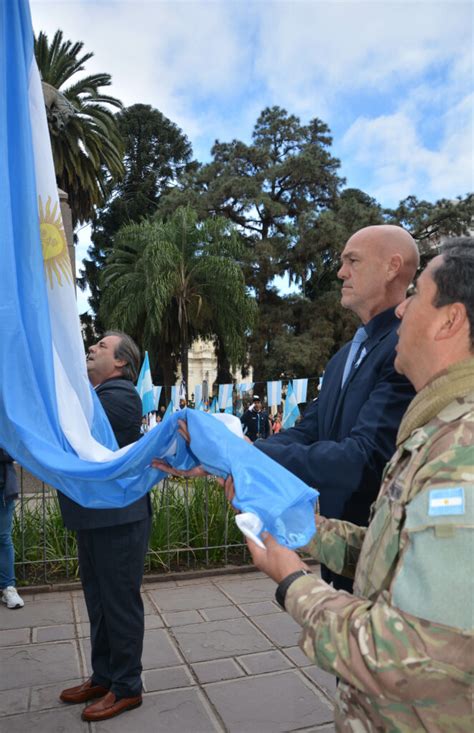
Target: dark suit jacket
256, 424
123, 407
346, 436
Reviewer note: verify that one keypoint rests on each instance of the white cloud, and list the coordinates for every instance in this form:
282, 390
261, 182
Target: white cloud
389, 159
392, 78
212, 66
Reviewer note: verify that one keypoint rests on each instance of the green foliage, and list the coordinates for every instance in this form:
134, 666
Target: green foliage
193, 526
283, 195
156, 153
88, 150
429, 222
43, 547
167, 282
271, 190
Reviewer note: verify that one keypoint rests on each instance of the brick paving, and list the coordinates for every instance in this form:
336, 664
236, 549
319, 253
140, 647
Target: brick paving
219, 657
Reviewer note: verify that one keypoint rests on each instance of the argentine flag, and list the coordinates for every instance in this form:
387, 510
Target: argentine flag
156, 396
274, 393
175, 396
197, 394
51, 421
291, 410
225, 396
300, 389
145, 387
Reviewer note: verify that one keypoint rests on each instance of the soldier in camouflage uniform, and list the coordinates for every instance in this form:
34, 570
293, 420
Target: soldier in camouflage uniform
403, 645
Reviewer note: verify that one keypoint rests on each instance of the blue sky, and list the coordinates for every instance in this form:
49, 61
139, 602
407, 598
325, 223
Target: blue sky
393, 80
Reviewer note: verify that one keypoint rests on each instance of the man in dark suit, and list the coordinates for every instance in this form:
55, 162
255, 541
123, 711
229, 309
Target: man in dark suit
348, 434
255, 421
112, 544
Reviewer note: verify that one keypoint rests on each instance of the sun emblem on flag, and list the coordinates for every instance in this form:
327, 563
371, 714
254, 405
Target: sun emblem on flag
53, 241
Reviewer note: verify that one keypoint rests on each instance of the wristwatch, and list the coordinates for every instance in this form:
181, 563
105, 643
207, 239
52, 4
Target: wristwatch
281, 591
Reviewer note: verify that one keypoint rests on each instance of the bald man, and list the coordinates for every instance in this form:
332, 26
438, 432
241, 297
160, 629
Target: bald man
348, 434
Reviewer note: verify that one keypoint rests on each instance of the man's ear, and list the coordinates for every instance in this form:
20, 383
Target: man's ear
120, 363
394, 266
453, 323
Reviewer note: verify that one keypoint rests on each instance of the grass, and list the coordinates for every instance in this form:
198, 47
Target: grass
193, 527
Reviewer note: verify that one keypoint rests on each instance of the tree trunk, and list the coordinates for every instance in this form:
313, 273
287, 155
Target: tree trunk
184, 359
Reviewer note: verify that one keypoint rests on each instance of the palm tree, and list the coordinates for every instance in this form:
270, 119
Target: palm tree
168, 282
87, 146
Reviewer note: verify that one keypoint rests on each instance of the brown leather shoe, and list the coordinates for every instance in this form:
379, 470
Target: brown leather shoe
83, 693
109, 707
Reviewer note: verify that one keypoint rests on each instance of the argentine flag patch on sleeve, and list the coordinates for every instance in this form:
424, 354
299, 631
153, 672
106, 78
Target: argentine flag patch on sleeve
446, 501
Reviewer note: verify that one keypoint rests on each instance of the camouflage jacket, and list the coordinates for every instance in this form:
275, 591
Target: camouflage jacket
403, 645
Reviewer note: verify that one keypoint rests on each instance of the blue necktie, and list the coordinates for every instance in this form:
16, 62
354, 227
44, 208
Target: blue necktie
359, 337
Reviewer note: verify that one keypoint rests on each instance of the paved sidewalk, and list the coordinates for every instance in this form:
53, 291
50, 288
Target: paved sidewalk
219, 656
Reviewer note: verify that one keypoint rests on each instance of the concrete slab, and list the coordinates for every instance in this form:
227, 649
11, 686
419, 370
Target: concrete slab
14, 701
153, 621
85, 651
51, 721
83, 629
249, 591
214, 668
272, 661
54, 633
268, 704
44, 697
323, 679
280, 628
218, 639
40, 613
182, 618
217, 670
192, 597
159, 650
167, 679
177, 711
38, 663
262, 608
297, 656
81, 609
221, 613
15, 636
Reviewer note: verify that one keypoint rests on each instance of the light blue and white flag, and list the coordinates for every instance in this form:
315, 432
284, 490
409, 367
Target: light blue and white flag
213, 406
175, 396
51, 421
274, 393
169, 410
245, 387
225, 396
200, 406
291, 410
197, 394
145, 387
300, 389
156, 395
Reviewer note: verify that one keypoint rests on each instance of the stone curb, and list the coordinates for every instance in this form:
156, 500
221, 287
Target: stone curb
153, 578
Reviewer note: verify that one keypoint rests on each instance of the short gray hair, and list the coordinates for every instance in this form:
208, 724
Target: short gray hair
127, 351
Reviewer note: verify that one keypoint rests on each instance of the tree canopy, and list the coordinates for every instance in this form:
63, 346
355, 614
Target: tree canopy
270, 190
156, 153
286, 208
168, 282
87, 147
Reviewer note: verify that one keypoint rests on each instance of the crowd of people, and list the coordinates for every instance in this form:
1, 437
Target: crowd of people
388, 444
256, 421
